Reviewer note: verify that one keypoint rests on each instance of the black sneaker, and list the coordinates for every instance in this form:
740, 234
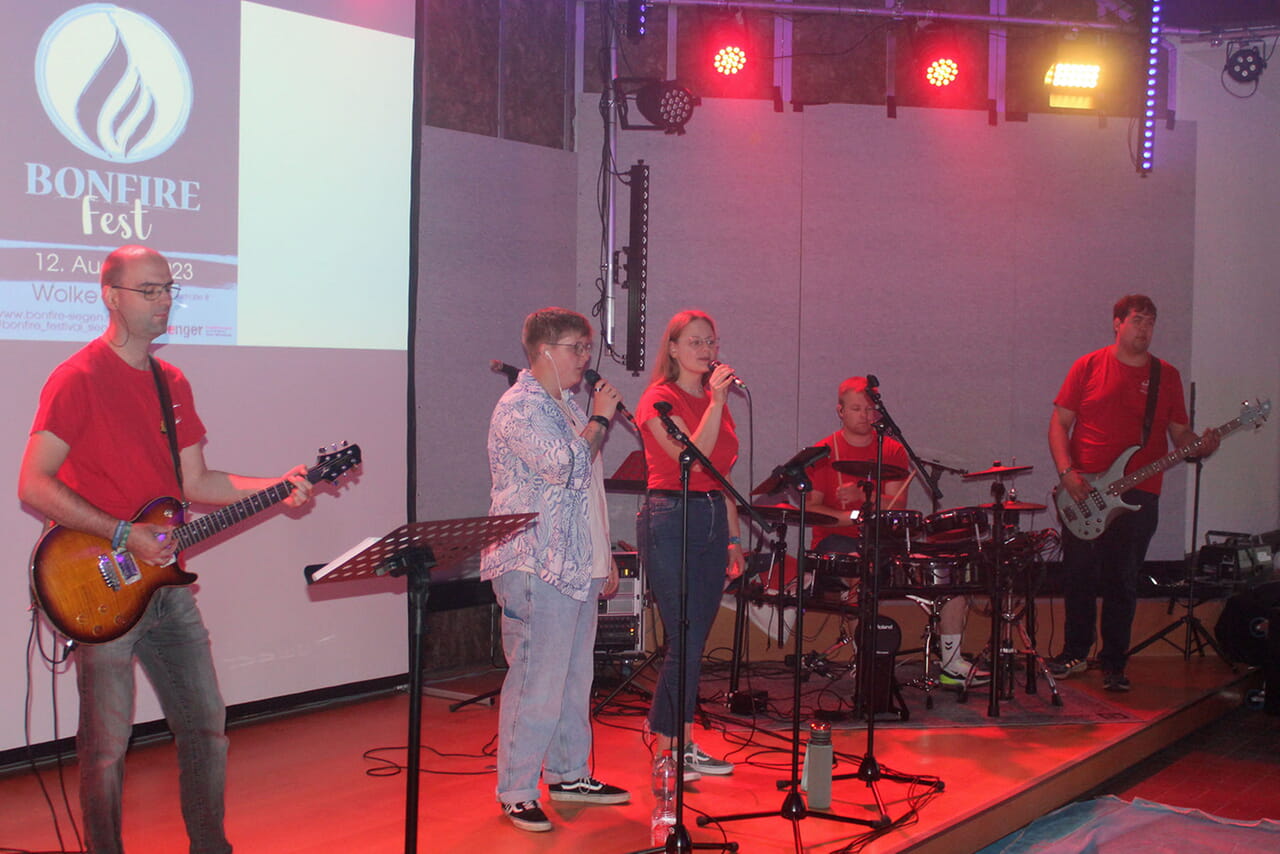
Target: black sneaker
1063, 666
697, 759
589, 790
1115, 680
527, 815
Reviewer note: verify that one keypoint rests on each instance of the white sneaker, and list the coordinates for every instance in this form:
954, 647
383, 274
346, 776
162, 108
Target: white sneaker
957, 672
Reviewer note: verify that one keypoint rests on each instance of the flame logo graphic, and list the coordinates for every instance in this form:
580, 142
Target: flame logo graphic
113, 82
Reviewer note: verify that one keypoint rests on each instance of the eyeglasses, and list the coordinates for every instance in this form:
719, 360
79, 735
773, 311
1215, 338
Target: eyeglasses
151, 293
699, 343
581, 348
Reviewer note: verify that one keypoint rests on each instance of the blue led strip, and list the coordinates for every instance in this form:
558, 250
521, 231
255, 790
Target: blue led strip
1146, 154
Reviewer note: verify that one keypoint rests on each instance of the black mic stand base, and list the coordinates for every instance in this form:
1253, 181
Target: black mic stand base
793, 809
678, 841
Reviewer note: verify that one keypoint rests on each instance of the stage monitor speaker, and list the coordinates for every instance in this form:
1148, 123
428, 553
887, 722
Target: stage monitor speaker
1243, 629
620, 628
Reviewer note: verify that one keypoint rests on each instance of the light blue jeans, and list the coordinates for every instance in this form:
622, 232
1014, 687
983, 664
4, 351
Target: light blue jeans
172, 645
544, 722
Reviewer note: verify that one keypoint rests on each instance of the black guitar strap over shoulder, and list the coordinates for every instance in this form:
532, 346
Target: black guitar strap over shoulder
171, 430
1153, 391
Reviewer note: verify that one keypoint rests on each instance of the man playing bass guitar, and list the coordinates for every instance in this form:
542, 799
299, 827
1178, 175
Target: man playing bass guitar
1112, 399
99, 449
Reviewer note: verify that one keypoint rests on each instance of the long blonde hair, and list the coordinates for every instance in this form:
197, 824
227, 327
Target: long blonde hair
666, 369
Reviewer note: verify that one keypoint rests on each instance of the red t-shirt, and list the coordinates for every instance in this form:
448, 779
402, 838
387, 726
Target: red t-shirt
664, 470
826, 479
109, 413
1109, 399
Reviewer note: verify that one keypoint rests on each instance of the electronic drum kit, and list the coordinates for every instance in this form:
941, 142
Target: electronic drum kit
926, 558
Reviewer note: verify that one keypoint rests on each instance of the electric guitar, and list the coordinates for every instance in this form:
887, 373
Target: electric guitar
93, 594
1087, 519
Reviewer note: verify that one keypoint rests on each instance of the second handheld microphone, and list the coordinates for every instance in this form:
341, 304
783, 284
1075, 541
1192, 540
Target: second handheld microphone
592, 377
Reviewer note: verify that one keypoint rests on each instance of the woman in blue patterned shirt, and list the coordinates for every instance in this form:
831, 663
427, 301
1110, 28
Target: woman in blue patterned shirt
544, 458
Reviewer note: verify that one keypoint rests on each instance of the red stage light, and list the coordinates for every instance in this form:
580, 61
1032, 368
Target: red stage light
942, 72
730, 59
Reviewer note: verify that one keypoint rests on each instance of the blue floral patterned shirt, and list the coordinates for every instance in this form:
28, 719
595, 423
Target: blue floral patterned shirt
539, 464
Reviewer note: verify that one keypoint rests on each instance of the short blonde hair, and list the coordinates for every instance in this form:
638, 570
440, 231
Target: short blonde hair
548, 325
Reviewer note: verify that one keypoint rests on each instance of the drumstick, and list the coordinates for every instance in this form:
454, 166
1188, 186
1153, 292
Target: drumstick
902, 488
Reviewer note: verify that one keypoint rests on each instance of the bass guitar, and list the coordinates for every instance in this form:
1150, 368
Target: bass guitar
93, 594
1087, 519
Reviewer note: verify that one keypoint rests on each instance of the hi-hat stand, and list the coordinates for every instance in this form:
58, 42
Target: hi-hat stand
413, 551
740, 702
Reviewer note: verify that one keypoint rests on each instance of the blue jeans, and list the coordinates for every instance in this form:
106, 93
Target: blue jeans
1106, 567
544, 721
172, 645
658, 531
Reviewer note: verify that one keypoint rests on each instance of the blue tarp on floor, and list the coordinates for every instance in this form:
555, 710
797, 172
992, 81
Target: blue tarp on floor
1109, 824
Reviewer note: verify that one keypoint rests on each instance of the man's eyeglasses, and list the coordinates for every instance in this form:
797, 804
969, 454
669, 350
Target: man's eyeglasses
579, 347
152, 293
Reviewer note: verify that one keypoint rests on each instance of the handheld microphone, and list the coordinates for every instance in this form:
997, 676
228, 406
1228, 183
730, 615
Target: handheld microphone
872, 382
500, 367
715, 363
663, 407
592, 377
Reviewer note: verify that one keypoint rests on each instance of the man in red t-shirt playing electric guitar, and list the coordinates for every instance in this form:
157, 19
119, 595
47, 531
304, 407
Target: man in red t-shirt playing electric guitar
1105, 407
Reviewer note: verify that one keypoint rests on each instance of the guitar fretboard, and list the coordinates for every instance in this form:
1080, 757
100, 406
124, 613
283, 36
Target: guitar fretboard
224, 517
1152, 469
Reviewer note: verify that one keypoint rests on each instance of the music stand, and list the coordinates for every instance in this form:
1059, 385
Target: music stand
413, 550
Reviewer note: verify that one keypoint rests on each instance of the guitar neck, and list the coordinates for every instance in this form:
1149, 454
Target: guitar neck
224, 517
1152, 469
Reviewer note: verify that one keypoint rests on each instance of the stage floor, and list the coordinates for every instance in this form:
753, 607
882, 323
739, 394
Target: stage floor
302, 783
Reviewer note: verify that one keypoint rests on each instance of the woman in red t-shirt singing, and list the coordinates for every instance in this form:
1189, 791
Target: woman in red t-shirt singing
698, 394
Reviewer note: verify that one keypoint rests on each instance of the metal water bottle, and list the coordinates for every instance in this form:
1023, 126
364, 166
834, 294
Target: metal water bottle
816, 777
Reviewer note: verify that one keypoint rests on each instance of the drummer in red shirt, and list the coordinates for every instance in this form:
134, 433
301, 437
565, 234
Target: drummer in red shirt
844, 497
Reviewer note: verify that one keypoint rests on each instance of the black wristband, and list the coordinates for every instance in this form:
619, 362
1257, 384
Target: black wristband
601, 420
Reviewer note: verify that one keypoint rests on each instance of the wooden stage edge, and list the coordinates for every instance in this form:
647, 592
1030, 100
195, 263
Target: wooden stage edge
1108, 758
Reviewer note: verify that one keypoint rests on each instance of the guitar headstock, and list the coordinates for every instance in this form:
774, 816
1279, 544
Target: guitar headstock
334, 461
1255, 413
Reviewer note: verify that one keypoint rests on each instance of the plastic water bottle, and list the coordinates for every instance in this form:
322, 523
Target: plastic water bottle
816, 777
664, 796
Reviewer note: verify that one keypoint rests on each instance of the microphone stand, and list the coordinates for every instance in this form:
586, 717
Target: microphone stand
932, 474
793, 806
678, 838
869, 770
1197, 636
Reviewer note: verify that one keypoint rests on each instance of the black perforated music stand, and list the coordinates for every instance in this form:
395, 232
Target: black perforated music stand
413, 550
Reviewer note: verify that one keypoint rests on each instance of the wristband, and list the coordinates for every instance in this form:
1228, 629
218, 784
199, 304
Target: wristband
601, 420
735, 541
1066, 471
121, 535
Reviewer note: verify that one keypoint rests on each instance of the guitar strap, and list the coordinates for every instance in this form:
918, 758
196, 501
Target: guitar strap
166, 411
1153, 391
